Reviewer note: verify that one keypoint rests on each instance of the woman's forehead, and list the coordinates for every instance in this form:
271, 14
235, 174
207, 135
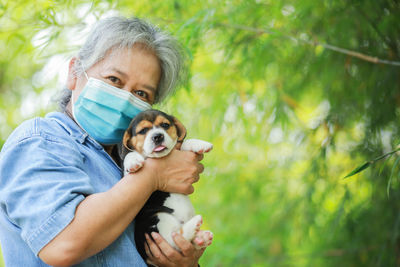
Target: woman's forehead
116, 56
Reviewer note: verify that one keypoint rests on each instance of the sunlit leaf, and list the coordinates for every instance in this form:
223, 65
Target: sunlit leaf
359, 169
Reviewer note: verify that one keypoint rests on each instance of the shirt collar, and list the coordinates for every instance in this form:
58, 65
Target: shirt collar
72, 128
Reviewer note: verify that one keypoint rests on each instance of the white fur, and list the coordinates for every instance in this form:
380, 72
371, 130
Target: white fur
184, 210
196, 145
133, 161
183, 219
149, 145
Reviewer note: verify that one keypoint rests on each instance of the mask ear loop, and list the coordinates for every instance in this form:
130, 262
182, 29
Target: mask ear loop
73, 106
81, 67
84, 72
87, 78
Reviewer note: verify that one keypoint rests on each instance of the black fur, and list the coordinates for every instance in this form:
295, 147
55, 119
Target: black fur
146, 221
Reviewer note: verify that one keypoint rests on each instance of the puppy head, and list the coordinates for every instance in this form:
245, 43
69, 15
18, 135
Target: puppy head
153, 134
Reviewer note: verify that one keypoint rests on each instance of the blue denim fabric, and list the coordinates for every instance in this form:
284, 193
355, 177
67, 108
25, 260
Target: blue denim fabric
47, 167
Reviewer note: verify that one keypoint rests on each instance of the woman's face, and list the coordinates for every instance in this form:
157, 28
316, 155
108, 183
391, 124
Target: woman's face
136, 70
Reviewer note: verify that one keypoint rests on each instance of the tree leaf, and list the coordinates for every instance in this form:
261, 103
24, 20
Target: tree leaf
368, 163
359, 169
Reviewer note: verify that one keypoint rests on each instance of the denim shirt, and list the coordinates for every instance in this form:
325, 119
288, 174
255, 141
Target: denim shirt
47, 167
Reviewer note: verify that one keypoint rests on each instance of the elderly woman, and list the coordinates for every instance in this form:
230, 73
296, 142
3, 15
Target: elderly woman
62, 198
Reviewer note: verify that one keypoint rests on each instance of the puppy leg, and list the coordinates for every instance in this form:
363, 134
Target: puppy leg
191, 227
195, 145
169, 224
133, 161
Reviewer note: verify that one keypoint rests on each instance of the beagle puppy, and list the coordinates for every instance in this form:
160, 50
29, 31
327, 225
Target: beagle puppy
154, 134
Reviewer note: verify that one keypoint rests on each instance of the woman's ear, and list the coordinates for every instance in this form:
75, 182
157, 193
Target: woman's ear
181, 130
71, 79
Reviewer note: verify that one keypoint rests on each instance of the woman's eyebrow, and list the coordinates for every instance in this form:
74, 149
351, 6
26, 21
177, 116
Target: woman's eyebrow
149, 87
120, 72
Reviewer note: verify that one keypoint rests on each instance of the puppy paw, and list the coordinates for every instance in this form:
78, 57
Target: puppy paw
202, 239
133, 162
197, 146
191, 227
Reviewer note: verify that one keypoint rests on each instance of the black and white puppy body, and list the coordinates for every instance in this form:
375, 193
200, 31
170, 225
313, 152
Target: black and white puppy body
153, 134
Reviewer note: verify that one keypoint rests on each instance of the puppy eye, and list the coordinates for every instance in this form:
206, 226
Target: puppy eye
165, 125
143, 131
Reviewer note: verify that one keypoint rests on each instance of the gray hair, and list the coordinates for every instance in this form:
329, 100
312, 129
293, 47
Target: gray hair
118, 32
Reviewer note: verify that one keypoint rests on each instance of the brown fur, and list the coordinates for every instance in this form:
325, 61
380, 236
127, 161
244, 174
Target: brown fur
137, 141
132, 140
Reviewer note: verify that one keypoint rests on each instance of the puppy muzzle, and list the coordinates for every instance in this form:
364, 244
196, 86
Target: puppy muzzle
158, 143
158, 138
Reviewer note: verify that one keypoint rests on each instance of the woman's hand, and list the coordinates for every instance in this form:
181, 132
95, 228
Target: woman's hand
176, 172
160, 253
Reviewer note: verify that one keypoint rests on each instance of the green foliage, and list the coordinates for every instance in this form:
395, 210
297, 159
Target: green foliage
369, 163
288, 112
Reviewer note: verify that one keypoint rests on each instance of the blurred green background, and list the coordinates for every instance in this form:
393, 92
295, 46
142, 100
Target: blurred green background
289, 112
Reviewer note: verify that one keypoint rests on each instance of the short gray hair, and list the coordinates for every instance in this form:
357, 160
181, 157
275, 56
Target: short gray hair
118, 32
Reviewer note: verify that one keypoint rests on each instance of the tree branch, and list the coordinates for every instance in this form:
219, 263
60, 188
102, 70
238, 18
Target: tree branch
348, 52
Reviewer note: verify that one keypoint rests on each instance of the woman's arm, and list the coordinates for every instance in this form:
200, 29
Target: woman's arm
101, 218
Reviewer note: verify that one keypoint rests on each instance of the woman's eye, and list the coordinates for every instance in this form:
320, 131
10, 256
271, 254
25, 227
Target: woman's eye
114, 79
165, 125
141, 94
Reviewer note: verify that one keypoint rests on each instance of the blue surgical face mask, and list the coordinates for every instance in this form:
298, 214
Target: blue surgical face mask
105, 111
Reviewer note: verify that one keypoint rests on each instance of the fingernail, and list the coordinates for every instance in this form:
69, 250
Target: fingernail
154, 235
174, 234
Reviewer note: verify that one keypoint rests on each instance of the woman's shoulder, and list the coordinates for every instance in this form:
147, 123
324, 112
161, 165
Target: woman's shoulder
50, 128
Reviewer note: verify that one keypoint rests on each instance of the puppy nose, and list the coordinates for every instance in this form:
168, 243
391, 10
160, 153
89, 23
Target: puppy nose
158, 138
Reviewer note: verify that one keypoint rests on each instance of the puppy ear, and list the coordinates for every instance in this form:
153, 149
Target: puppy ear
181, 130
126, 138
123, 147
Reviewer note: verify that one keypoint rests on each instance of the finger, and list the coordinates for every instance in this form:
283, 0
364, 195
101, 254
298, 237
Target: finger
147, 249
156, 253
150, 263
150, 258
171, 254
196, 179
150, 245
199, 156
199, 253
200, 167
187, 248
188, 190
